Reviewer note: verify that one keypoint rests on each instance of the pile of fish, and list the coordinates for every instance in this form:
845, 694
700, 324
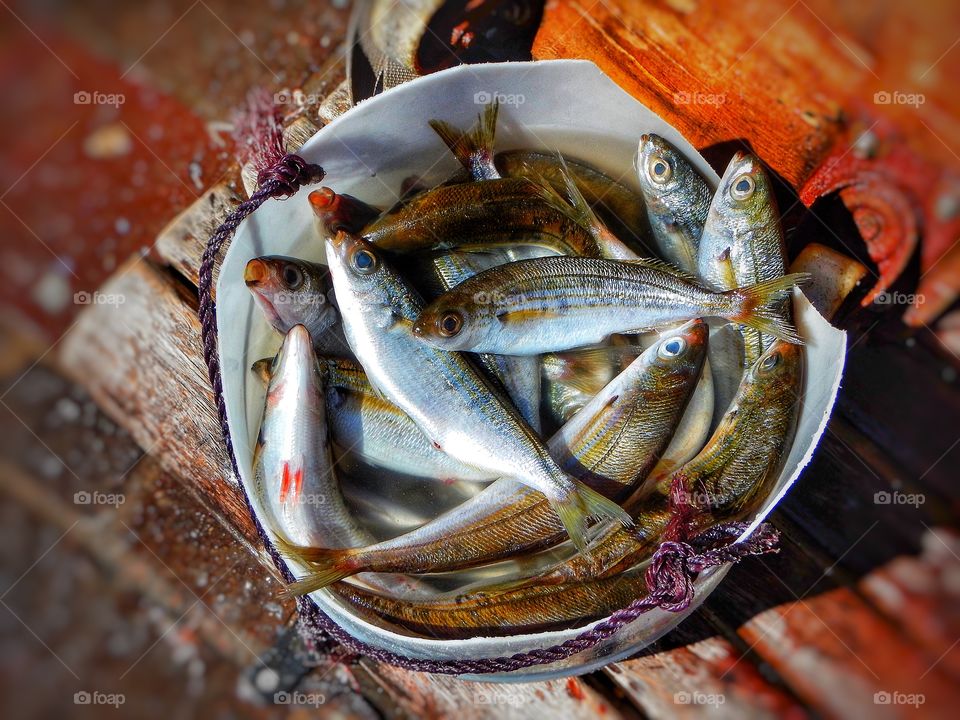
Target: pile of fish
537, 331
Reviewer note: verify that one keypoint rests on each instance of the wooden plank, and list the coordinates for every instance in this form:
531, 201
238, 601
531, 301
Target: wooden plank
140, 359
777, 72
836, 651
923, 594
708, 678
182, 241
420, 695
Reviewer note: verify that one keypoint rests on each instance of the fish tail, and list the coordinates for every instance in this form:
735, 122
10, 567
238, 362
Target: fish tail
328, 565
752, 306
473, 148
579, 505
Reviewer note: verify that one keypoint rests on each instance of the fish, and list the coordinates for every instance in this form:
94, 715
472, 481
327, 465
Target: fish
339, 211
496, 213
723, 482
441, 391
474, 147
743, 242
293, 292
611, 444
293, 467
518, 375
677, 199
538, 306
363, 422
525, 610
749, 446
620, 208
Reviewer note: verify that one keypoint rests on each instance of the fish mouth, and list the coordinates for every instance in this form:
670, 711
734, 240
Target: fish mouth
419, 328
255, 272
338, 241
322, 200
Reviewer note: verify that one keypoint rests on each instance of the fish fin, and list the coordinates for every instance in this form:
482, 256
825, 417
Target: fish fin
726, 269
753, 306
590, 370
581, 504
473, 148
263, 369
664, 266
574, 206
329, 566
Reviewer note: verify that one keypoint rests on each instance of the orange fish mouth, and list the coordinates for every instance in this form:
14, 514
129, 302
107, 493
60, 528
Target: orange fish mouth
255, 272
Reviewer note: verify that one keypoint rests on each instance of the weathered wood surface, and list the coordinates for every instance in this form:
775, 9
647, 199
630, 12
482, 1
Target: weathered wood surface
653, 681
817, 629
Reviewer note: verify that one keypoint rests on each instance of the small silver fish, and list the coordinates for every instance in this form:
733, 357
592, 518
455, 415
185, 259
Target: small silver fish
743, 241
441, 391
557, 303
677, 199
293, 469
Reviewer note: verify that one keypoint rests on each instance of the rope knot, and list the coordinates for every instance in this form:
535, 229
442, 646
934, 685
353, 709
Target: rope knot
668, 578
289, 173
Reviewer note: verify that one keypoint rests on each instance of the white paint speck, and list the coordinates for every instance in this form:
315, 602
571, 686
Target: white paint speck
52, 292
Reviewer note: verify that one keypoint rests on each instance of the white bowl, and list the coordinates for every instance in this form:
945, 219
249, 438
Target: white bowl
565, 105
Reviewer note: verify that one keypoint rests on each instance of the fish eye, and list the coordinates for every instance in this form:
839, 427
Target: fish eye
742, 187
672, 348
659, 169
770, 362
450, 324
364, 261
292, 276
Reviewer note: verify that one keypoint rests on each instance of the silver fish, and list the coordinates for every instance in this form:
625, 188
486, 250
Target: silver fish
743, 241
445, 395
293, 468
556, 303
519, 375
677, 199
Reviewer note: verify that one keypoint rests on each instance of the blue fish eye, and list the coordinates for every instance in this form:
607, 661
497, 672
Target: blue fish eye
364, 261
659, 169
742, 188
672, 348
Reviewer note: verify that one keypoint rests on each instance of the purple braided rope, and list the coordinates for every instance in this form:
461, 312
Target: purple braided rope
668, 578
